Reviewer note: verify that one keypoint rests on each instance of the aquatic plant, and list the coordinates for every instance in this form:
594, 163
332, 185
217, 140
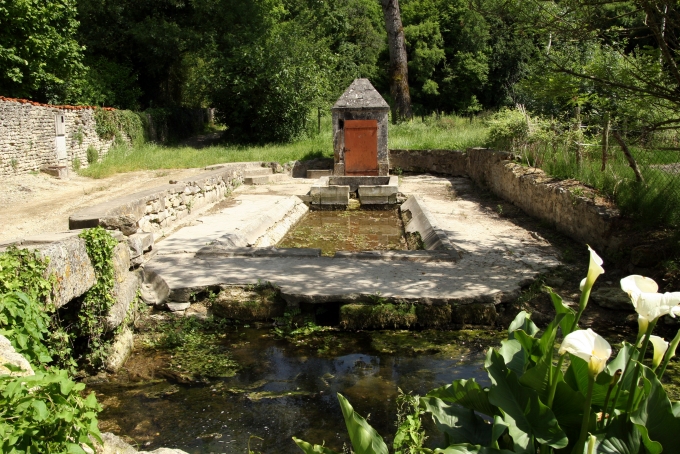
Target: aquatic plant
534, 404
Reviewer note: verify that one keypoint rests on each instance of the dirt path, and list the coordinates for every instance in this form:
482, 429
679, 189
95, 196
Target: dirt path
34, 204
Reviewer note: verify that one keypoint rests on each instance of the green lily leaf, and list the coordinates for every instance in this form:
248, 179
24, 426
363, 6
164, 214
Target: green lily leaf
365, 440
538, 377
675, 408
547, 340
522, 408
461, 425
471, 449
568, 408
529, 343
560, 308
620, 437
467, 393
514, 356
522, 321
654, 417
577, 377
309, 449
498, 429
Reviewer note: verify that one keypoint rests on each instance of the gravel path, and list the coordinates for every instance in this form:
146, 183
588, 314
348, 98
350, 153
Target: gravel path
34, 204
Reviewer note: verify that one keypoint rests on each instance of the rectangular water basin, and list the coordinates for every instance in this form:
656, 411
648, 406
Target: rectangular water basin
351, 230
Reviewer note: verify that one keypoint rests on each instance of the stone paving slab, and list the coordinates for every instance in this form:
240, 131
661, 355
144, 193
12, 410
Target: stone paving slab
248, 218
473, 229
497, 256
492, 279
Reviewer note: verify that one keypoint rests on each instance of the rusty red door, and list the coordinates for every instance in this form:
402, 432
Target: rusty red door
361, 147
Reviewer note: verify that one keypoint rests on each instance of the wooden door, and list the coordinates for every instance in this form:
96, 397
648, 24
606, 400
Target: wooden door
361, 147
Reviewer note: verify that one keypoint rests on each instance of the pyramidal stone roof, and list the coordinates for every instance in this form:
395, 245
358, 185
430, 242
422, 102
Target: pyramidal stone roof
361, 95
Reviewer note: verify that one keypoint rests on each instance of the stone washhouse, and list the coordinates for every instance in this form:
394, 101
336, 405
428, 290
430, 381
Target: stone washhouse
361, 158
360, 118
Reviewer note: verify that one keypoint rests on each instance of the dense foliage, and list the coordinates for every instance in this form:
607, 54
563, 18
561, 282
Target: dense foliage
267, 65
596, 404
44, 412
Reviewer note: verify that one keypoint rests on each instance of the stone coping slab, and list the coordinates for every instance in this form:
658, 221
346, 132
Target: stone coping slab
252, 220
422, 221
406, 256
345, 280
222, 251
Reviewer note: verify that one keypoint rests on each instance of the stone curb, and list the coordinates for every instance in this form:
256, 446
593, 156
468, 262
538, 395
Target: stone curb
424, 223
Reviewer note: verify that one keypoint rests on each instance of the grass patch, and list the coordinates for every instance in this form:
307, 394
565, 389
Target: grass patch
428, 133
445, 133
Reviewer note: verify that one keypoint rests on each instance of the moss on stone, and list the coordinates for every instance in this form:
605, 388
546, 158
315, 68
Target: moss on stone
431, 316
260, 303
449, 343
474, 314
377, 316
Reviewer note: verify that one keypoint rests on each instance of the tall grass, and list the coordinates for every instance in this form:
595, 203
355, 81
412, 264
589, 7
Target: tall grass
652, 202
565, 152
444, 133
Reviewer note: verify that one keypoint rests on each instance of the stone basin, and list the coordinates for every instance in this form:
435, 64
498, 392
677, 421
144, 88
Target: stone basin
370, 190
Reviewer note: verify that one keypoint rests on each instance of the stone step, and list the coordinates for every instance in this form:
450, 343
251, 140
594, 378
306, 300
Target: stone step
266, 179
315, 173
257, 171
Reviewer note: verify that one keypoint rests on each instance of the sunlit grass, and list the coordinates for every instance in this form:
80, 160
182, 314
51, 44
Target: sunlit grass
445, 133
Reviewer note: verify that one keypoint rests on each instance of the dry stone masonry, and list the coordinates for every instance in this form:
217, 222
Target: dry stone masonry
34, 136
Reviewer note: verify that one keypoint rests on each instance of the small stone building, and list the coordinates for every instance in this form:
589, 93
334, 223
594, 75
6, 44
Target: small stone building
360, 119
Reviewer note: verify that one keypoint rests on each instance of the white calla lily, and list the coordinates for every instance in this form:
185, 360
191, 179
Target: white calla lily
590, 347
594, 270
660, 347
649, 304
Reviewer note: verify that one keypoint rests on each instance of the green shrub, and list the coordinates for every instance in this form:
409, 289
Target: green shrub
46, 413
76, 164
92, 155
113, 124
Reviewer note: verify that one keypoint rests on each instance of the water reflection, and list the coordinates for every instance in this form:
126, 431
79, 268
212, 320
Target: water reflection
282, 391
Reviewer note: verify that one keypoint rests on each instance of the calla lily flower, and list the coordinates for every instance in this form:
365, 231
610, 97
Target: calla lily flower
660, 347
649, 304
594, 270
590, 347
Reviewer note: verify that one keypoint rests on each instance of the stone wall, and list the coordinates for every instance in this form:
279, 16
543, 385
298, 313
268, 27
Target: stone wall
568, 205
28, 136
143, 215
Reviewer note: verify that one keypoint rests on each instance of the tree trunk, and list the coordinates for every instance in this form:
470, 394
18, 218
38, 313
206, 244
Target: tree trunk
605, 140
629, 157
398, 62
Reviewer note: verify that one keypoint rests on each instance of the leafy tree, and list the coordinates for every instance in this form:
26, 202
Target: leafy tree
145, 41
266, 88
38, 49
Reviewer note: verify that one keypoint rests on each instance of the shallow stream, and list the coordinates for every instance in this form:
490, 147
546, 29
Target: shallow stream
288, 388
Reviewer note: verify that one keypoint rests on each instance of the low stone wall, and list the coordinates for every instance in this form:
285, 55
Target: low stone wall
28, 136
568, 205
158, 209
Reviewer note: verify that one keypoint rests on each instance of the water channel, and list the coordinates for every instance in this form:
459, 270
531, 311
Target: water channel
348, 230
287, 388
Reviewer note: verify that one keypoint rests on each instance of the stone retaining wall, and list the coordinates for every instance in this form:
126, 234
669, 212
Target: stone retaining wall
159, 209
568, 205
28, 136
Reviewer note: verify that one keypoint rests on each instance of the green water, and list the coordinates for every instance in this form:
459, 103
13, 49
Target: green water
287, 389
350, 230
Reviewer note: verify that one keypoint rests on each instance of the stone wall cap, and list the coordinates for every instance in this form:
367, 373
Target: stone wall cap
361, 95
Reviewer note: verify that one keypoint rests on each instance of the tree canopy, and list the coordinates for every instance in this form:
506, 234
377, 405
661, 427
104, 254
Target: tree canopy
266, 65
